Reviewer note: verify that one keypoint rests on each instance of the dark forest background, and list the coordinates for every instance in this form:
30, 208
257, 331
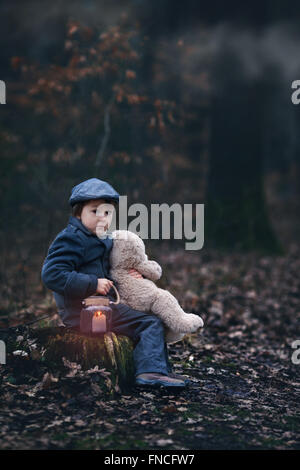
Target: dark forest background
169, 101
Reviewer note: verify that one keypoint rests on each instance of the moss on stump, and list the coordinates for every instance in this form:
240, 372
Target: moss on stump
109, 351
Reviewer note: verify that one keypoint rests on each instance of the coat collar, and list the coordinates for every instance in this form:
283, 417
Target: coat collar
78, 224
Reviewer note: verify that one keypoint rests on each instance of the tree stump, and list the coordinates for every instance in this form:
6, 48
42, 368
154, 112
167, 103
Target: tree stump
109, 351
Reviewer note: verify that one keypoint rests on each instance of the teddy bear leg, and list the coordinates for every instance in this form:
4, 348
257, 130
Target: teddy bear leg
172, 336
167, 308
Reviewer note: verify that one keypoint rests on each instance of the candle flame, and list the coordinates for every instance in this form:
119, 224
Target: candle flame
98, 313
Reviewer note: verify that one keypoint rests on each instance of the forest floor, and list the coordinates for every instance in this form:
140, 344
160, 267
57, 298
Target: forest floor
245, 389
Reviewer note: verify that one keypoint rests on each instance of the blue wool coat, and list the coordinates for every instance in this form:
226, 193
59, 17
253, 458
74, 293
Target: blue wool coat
75, 261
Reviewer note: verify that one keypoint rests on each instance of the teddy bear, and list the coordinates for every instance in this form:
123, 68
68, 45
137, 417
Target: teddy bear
142, 294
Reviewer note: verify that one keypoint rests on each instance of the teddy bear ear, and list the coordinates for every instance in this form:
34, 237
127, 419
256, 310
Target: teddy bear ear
120, 234
117, 234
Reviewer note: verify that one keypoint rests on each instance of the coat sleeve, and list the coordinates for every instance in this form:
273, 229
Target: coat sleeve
60, 269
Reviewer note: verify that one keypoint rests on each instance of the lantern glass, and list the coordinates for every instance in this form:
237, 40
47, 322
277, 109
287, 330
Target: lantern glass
99, 322
95, 319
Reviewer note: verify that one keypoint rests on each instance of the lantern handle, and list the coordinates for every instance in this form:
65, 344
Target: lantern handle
117, 296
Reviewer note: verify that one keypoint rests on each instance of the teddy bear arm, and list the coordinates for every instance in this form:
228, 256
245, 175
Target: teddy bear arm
150, 269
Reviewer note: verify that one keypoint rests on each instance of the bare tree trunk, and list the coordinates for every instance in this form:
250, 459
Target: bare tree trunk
236, 213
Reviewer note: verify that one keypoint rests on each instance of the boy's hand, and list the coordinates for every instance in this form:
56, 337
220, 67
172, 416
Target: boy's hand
104, 286
135, 273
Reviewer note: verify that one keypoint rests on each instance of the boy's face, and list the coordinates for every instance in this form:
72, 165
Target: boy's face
97, 215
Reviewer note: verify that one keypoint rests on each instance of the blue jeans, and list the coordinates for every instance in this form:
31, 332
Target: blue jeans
147, 332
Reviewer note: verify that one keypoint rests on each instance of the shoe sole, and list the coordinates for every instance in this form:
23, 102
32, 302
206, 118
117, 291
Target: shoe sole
185, 380
158, 383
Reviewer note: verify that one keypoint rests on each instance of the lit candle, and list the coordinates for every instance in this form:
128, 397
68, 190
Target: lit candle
99, 322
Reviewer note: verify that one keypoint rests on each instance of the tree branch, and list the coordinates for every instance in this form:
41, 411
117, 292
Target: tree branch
106, 134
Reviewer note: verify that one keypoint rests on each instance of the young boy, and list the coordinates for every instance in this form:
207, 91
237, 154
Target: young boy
77, 266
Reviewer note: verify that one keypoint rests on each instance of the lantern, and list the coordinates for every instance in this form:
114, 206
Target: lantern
96, 314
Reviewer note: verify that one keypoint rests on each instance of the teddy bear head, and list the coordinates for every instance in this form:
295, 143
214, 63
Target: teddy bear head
128, 250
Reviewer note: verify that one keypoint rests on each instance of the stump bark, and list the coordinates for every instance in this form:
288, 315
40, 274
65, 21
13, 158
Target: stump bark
109, 351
